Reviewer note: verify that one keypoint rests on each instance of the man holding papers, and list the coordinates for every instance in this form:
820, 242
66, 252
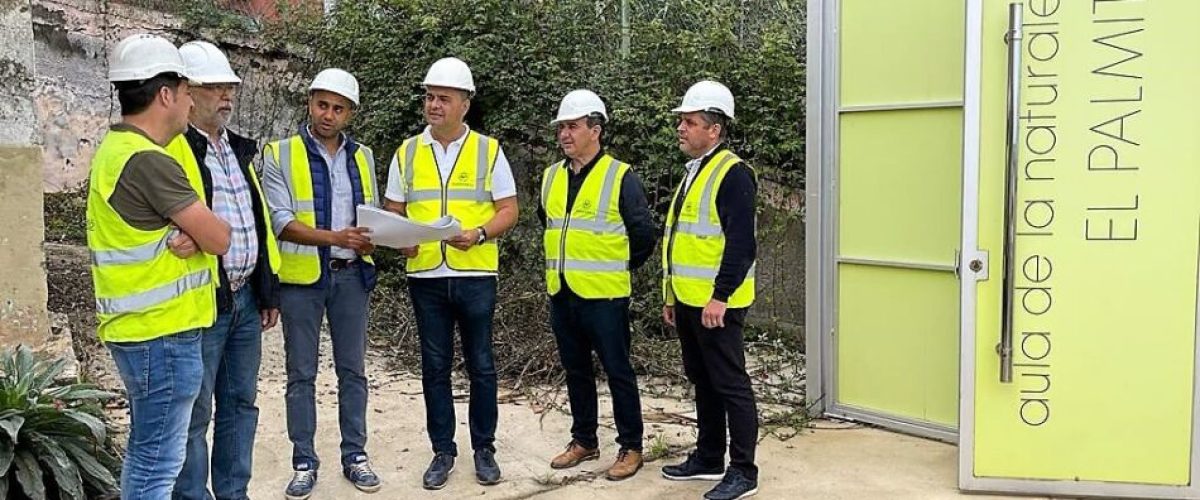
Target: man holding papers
314, 181
397, 231
450, 169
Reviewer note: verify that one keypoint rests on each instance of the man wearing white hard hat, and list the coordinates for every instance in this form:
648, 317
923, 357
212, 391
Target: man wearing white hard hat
598, 230
314, 181
450, 169
248, 288
151, 304
708, 284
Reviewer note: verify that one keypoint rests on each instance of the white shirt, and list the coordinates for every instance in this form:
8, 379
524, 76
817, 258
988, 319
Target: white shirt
693, 166
503, 186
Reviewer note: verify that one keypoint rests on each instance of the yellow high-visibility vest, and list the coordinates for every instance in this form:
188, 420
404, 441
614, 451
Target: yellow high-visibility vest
696, 241
182, 152
588, 246
467, 196
301, 264
143, 291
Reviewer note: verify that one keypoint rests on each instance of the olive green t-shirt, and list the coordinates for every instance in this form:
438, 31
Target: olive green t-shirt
152, 188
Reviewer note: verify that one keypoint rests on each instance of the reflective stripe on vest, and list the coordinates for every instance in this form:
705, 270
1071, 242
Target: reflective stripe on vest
301, 264
695, 241
588, 246
143, 291
466, 195
181, 150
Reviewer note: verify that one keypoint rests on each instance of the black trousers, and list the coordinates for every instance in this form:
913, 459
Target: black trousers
714, 360
581, 327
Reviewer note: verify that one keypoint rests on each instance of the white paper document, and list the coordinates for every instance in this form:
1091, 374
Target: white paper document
396, 231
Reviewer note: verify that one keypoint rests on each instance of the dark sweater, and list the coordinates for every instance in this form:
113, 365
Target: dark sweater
635, 211
736, 210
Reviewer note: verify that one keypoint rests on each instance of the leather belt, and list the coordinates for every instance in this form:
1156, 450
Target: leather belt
340, 264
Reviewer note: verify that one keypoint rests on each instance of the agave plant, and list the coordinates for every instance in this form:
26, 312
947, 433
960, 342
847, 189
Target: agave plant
53, 439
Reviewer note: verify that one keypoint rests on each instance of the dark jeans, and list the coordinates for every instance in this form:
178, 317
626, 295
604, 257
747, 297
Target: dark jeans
343, 302
232, 350
439, 304
715, 361
582, 326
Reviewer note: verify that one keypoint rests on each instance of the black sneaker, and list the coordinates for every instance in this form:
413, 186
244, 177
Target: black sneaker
439, 471
304, 478
693, 469
487, 472
359, 472
735, 485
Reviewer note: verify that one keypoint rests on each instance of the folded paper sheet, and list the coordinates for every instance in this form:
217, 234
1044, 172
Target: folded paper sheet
396, 231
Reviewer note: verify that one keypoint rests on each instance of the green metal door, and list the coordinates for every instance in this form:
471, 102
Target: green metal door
1084, 384
893, 343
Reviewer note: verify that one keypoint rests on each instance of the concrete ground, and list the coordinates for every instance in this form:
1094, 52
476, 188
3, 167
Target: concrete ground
834, 461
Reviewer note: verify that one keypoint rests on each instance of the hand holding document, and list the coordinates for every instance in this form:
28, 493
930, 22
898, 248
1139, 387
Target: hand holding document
396, 231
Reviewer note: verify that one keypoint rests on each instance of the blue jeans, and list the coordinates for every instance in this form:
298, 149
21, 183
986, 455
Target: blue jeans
343, 301
439, 304
162, 379
582, 326
232, 350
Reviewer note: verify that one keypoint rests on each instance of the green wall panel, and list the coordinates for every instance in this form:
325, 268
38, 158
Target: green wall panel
890, 53
900, 176
897, 342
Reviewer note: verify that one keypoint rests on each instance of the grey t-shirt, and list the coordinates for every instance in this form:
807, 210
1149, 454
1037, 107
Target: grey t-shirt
152, 188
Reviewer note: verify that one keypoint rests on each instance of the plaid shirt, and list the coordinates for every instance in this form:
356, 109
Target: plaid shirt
231, 201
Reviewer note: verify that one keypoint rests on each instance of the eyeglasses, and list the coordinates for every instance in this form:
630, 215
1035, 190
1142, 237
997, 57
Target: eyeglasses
221, 88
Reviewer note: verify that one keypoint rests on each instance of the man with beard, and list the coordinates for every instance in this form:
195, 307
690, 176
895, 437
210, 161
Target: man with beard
248, 290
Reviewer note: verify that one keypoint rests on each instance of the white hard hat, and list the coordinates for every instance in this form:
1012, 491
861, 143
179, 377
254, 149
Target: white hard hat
142, 57
337, 81
450, 72
206, 63
578, 104
707, 95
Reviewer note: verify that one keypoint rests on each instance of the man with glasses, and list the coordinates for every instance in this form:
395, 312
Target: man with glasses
247, 295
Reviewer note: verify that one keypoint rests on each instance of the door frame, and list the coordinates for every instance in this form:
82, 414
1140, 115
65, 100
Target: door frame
967, 480
822, 116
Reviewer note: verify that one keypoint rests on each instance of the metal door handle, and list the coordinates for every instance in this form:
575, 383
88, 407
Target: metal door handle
1013, 39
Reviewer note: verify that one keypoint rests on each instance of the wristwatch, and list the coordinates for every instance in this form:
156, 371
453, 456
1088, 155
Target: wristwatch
482, 235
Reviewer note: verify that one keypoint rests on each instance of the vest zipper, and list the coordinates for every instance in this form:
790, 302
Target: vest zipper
562, 248
445, 198
562, 238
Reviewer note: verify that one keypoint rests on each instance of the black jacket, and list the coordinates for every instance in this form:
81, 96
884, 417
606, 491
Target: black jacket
264, 282
736, 210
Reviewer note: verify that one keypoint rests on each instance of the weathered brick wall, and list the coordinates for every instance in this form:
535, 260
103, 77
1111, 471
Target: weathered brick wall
74, 102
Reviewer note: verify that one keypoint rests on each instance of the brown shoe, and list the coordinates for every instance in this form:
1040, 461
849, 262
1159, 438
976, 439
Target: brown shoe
574, 455
627, 464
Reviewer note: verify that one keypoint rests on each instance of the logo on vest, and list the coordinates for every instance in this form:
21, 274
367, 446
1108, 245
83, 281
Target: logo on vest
462, 177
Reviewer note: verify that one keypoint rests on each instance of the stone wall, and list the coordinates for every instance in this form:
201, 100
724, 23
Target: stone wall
23, 282
74, 103
17, 121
